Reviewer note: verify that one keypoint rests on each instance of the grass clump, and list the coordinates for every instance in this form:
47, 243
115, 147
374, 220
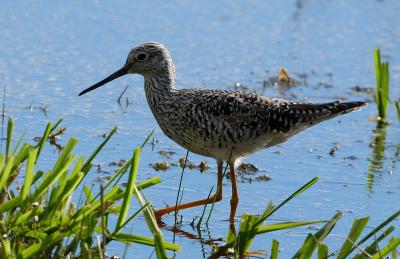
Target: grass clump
38, 218
382, 85
252, 226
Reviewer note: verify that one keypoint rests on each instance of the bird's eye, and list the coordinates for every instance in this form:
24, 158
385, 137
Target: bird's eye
141, 56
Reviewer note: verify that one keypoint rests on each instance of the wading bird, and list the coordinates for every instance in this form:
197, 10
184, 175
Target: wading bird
221, 124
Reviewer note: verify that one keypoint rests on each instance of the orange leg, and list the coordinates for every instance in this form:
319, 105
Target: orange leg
214, 198
234, 197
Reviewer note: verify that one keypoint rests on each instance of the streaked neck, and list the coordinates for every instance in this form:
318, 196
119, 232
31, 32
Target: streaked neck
162, 80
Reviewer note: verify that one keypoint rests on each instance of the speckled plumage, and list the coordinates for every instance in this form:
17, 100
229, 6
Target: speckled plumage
225, 124
221, 124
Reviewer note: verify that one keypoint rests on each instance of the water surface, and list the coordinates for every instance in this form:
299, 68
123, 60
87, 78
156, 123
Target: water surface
51, 51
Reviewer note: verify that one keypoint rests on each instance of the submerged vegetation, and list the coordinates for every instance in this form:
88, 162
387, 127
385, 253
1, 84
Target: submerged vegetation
39, 217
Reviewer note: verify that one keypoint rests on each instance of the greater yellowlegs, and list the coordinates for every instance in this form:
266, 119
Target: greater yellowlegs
221, 124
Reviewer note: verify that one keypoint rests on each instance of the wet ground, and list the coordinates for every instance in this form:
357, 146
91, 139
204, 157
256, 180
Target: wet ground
49, 52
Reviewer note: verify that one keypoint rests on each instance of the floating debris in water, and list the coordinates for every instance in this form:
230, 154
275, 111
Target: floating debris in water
182, 161
247, 168
203, 166
167, 154
282, 80
189, 164
324, 84
283, 75
353, 157
101, 179
154, 141
263, 178
120, 163
43, 109
161, 166
53, 138
376, 118
366, 90
333, 150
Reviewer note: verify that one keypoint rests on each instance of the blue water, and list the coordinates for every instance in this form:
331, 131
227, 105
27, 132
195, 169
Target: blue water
50, 51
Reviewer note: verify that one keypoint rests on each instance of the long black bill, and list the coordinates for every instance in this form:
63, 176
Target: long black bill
120, 72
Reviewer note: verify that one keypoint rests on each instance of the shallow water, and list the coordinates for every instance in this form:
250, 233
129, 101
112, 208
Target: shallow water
49, 52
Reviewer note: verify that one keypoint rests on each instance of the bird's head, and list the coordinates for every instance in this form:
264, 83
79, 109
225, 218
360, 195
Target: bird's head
147, 59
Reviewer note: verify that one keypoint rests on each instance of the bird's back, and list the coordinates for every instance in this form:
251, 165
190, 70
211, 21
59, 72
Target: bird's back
229, 124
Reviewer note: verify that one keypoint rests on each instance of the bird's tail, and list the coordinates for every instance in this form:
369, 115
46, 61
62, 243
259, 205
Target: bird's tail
306, 115
338, 108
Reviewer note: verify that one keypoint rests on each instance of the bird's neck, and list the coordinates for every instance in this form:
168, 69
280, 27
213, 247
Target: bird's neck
161, 81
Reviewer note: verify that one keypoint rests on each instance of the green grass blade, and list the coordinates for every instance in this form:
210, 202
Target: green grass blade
65, 155
21, 156
153, 226
5, 173
37, 176
160, 245
62, 197
90, 207
312, 241
322, 251
55, 126
274, 249
43, 140
5, 250
25, 217
129, 188
134, 215
10, 128
355, 231
286, 225
393, 244
28, 173
88, 193
373, 248
307, 248
11, 204
147, 139
397, 106
377, 62
394, 251
149, 182
51, 177
143, 240
268, 213
38, 247
204, 209
59, 168
247, 233
378, 228
385, 87
86, 166
18, 143
117, 175
66, 185
1, 161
